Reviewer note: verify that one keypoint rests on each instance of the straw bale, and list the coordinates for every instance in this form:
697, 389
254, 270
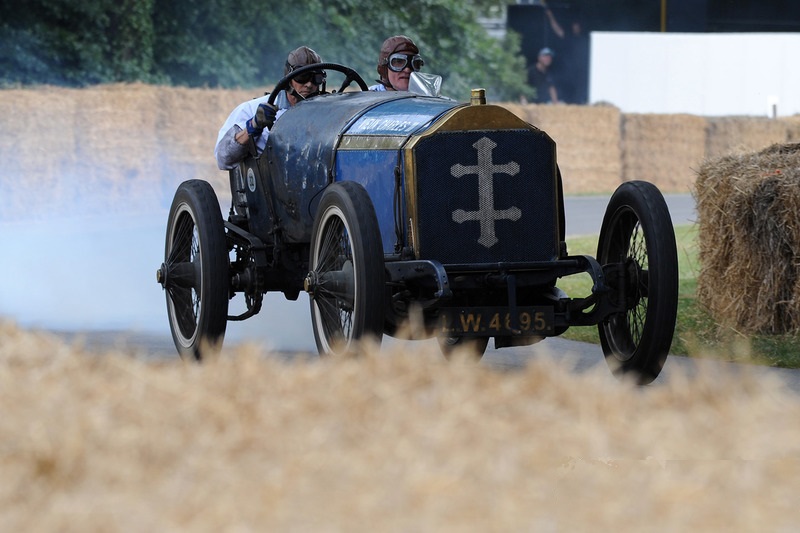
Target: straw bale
663, 149
65, 150
520, 110
743, 134
792, 128
749, 239
68, 150
396, 440
588, 140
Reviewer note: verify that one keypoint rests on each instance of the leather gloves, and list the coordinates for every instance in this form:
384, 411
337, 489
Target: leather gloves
264, 118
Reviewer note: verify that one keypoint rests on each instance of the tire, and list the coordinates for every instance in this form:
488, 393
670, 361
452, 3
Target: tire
196, 269
475, 345
637, 230
346, 270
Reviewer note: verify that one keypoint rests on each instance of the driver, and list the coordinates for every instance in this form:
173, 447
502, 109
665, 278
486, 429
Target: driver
251, 118
398, 58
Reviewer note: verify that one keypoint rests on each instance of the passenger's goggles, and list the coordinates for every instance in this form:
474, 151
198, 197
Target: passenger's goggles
317, 78
398, 62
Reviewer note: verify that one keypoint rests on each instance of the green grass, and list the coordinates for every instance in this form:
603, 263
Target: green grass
696, 333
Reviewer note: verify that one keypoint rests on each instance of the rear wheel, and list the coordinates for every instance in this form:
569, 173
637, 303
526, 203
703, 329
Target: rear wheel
637, 235
346, 279
195, 270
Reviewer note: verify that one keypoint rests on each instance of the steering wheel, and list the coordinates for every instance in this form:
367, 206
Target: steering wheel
350, 77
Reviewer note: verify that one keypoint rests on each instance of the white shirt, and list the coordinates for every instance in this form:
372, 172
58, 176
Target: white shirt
244, 112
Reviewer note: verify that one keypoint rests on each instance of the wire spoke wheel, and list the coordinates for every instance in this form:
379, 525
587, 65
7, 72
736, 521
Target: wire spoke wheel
336, 289
628, 247
184, 293
637, 236
195, 270
346, 281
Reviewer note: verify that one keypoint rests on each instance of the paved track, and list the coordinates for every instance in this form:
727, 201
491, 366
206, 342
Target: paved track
585, 213
97, 276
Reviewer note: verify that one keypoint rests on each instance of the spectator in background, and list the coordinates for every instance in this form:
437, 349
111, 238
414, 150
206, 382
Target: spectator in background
541, 79
573, 48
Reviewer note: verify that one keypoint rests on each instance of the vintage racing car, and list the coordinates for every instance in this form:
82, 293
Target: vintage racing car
388, 205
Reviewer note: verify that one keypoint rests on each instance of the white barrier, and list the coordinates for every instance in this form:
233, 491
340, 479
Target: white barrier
709, 74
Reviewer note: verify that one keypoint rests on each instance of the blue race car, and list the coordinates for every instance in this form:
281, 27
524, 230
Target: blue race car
390, 208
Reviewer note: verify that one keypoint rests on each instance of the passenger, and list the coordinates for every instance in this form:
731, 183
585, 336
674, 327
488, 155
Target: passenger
398, 58
251, 118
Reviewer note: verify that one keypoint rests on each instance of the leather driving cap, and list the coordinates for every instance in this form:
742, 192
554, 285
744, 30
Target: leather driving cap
300, 57
398, 43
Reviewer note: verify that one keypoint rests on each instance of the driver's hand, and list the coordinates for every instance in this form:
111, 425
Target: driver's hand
264, 118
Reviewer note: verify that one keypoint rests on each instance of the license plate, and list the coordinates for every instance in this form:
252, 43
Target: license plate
490, 321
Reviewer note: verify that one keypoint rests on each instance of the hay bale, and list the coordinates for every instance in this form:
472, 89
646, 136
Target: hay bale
65, 150
663, 149
743, 134
792, 128
748, 208
588, 140
75, 150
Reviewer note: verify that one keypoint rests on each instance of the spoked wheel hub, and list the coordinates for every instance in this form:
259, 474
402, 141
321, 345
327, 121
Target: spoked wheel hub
346, 279
339, 284
195, 271
636, 283
185, 275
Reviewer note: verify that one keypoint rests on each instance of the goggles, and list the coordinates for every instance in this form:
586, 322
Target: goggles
317, 78
398, 62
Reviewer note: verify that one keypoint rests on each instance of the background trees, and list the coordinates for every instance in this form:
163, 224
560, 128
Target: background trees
237, 43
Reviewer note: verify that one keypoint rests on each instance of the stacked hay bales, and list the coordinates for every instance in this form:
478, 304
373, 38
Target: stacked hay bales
748, 209
134, 143
588, 140
792, 128
662, 149
743, 134
130, 143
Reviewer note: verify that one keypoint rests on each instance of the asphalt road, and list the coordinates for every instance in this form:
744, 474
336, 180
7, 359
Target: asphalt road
584, 214
96, 276
97, 273
132, 318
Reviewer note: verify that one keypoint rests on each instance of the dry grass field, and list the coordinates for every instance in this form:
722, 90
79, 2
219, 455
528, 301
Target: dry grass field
387, 441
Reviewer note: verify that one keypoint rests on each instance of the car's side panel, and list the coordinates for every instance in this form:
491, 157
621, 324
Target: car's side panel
300, 154
375, 170
369, 153
301, 150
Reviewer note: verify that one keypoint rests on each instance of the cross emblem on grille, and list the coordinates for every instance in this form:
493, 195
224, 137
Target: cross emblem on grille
486, 213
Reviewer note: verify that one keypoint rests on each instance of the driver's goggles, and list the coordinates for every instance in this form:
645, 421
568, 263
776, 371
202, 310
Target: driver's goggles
317, 78
398, 62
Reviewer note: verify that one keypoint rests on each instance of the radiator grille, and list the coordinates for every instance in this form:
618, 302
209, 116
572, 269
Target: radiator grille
486, 196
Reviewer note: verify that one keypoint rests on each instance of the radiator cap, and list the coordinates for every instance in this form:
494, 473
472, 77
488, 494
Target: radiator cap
478, 97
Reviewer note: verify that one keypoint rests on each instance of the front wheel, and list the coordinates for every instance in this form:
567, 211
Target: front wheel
194, 274
346, 278
637, 237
